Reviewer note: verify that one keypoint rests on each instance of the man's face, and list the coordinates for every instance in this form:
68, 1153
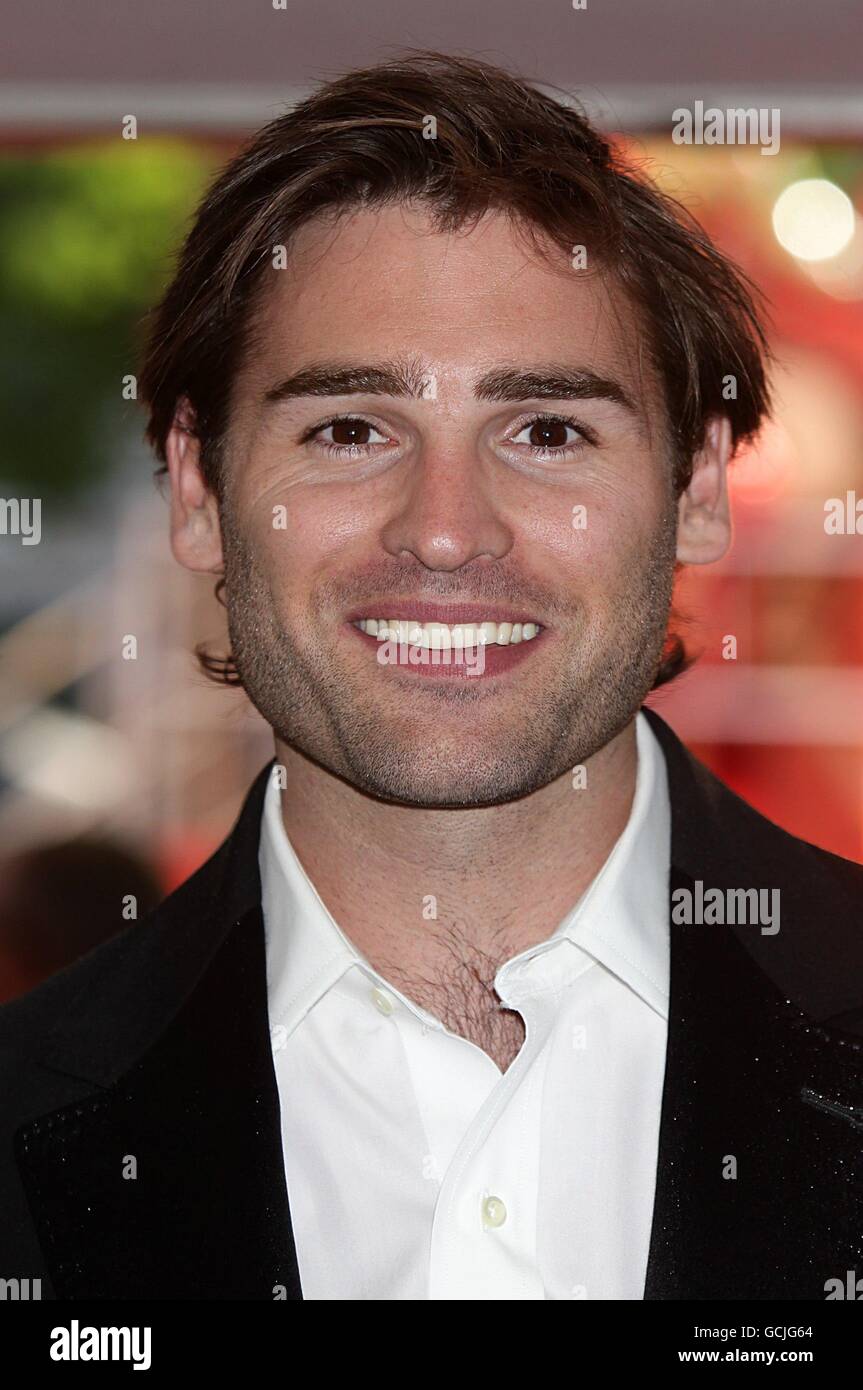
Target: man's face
479, 498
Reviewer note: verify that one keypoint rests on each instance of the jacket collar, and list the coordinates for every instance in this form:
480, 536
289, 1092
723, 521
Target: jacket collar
137, 980
721, 841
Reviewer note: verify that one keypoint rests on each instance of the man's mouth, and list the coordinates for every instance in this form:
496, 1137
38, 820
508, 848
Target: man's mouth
435, 640
438, 637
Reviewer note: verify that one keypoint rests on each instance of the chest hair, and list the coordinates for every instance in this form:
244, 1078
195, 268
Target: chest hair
457, 985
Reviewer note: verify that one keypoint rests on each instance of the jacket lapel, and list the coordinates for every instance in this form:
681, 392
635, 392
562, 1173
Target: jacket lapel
167, 1180
756, 1195
170, 1184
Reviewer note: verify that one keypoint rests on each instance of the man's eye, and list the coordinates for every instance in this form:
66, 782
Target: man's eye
348, 432
549, 434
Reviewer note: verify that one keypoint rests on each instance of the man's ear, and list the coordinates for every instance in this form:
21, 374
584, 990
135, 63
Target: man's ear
703, 512
196, 537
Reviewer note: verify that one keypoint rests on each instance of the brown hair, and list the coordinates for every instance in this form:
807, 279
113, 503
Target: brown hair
499, 144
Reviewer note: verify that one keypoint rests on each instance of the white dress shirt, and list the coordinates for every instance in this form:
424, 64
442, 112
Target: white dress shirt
415, 1168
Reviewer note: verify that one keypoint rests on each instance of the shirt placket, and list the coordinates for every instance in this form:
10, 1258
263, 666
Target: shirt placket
483, 1242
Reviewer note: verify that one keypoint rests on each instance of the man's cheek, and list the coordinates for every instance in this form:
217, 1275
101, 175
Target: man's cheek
603, 547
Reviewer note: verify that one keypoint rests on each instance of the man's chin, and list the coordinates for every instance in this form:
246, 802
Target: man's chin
445, 779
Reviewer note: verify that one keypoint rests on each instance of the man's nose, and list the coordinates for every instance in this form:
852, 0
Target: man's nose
448, 514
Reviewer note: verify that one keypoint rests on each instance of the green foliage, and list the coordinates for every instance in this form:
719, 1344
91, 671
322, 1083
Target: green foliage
87, 239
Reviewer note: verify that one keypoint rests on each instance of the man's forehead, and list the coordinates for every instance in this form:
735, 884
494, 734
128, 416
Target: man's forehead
383, 283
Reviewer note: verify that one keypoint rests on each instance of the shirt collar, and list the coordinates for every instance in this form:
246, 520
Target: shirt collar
306, 950
622, 917
620, 920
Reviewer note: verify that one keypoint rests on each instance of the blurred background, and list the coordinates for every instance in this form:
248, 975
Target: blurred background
119, 749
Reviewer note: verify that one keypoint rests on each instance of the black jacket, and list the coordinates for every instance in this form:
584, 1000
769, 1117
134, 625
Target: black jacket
155, 1047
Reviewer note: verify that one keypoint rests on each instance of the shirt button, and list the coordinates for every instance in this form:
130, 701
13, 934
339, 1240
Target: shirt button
382, 1001
493, 1212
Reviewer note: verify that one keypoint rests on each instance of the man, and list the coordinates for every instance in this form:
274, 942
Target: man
494, 992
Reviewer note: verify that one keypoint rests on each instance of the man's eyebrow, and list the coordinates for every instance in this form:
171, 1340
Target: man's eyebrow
551, 383
351, 379
409, 379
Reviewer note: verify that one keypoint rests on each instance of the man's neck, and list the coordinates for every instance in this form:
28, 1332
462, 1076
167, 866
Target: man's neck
405, 883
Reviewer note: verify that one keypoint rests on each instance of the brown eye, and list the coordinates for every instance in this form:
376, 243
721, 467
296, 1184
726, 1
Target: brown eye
548, 434
344, 435
551, 436
349, 431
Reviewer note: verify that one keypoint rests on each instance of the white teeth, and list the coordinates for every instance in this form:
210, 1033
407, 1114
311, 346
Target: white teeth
443, 637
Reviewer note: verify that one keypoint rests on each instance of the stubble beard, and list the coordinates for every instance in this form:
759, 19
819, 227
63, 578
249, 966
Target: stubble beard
306, 699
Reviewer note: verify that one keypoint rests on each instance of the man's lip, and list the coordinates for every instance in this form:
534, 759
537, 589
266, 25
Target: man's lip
450, 614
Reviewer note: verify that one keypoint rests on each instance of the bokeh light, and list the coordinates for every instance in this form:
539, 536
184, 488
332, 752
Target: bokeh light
813, 219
